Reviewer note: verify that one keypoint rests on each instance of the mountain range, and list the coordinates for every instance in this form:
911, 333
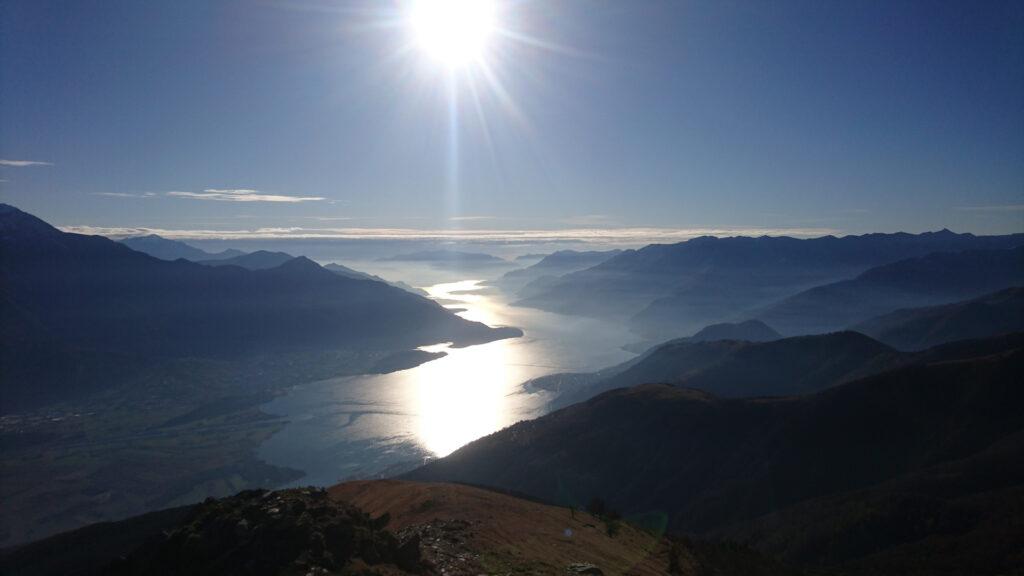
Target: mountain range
913, 470
166, 249
532, 279
71, 301
668, 291
347, 272
258, 260
745, 359
937, 278
738, 368
918, 328
750, 330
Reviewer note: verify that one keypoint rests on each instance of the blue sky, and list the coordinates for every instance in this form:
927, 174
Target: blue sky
813, 116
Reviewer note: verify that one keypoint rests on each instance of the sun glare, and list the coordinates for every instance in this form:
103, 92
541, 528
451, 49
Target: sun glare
454, 32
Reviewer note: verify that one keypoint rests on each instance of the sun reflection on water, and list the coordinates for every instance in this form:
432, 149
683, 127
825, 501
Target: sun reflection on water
381, 424
461, 397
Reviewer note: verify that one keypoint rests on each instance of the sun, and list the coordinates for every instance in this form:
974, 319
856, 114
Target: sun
453, 32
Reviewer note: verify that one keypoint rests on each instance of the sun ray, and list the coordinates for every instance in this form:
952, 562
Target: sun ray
484, 124
534, 42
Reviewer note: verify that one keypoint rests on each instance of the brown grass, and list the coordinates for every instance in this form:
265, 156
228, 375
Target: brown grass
510, 535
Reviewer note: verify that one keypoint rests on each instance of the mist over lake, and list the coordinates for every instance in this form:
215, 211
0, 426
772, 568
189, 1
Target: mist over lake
368, 426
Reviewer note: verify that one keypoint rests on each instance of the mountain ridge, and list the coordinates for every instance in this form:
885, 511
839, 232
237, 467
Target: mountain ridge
715, 465
166, 249
936, 278
69, 292
923, 327
669, 290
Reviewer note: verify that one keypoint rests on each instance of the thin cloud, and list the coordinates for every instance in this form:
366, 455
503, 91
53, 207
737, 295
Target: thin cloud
471, 218
1002, 208
618, 236
124, 194
23, 163
241, 195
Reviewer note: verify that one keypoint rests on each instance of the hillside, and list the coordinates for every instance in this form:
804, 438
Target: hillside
550, 267
77, 306
750, 330
737, 368
165, 249
722, 464
259, 260
674, 290
375, 527
938, 278
734, 369
347, 272
918, 328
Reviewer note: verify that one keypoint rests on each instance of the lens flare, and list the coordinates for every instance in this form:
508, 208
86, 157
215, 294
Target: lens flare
453, 32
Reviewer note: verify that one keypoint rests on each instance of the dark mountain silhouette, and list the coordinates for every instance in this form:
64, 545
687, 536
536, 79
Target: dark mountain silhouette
673, 290
751, 331
259, 260
733, 369
818, 478
748, 330
550, 267
919, 328
71, 300
937, 278
165, 249
736, 368
347, 272
446, 257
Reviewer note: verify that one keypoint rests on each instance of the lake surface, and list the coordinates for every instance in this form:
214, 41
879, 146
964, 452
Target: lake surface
368, 426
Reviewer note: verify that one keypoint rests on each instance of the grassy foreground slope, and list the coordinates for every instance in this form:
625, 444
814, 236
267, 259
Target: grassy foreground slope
379, 527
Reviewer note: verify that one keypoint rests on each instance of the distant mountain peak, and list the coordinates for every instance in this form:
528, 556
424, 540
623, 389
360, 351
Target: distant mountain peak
749, 330
303, 260
300, 263
15, 221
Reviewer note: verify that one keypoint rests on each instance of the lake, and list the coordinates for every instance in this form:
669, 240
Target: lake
378, 425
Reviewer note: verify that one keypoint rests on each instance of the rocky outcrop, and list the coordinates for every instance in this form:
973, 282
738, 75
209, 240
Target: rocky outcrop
298, 531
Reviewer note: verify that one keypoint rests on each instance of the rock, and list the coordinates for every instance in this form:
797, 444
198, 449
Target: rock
584, 568
242, 530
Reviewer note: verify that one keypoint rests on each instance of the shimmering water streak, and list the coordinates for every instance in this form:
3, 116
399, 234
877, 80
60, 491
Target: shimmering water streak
369, 425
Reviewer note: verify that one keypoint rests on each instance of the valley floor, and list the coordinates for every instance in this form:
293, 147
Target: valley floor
171, 435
